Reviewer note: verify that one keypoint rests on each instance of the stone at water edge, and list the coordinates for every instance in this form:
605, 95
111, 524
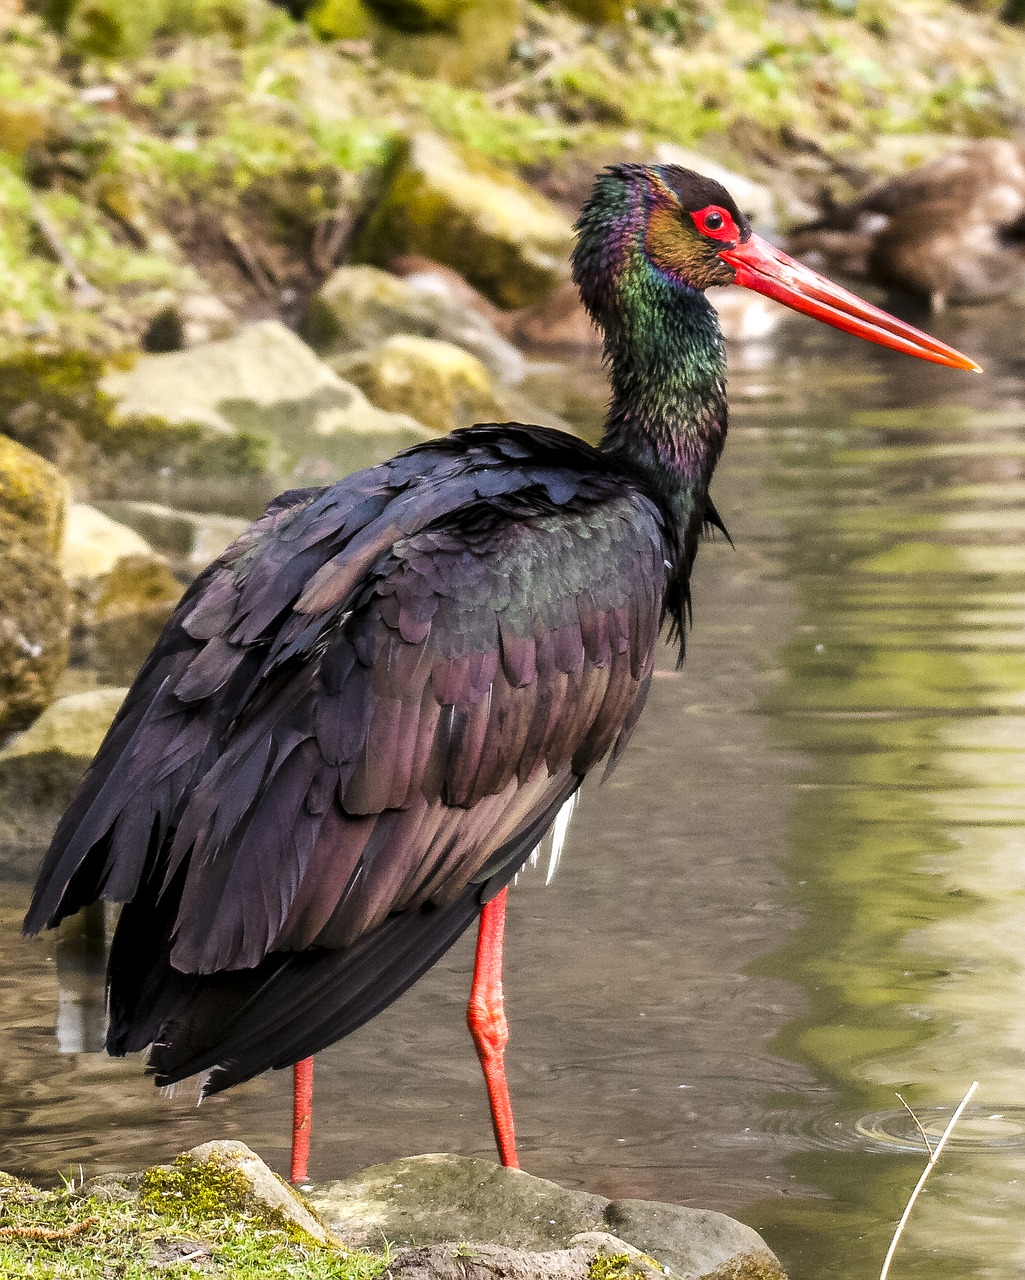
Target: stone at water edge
589, 1254
438, 383
215, 1179
437, 1198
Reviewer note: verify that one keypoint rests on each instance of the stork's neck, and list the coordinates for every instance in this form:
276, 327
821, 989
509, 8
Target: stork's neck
668, 372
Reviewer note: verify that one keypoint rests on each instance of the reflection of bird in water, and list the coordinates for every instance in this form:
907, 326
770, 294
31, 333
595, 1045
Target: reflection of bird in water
364, 716
950, 231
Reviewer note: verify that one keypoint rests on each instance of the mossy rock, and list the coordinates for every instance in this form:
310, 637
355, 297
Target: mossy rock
113, 572
444, 202
358, 307
41, 768
599, 13
227, 1179
34, 611
463, 42
435, 1198
436, 382
56, 404
266, 385
125, 28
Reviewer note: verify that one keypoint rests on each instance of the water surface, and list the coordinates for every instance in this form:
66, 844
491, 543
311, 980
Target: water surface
801, 893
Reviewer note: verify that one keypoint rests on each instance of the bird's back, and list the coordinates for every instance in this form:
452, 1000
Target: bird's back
353, 731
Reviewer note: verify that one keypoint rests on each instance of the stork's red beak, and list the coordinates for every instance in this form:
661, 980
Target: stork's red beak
764, 268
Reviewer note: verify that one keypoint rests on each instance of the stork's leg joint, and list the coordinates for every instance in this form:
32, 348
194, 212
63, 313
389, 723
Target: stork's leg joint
485, 1016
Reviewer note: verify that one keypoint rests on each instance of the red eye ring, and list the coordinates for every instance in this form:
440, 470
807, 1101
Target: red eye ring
716, 222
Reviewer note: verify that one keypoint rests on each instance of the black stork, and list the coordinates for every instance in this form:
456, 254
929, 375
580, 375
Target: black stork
366, 713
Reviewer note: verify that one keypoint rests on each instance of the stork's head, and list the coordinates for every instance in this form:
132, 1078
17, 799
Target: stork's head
644, 228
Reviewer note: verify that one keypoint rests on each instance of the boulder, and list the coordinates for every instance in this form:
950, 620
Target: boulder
439, 383
188, 321
590, 1255
189, 539
111, 570
447, 203
437, 1198
33, 595
266, 384
40, 768
463, 42
225, 1178
361, 306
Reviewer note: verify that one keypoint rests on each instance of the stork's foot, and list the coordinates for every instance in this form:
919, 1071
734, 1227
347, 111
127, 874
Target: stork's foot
485, 1016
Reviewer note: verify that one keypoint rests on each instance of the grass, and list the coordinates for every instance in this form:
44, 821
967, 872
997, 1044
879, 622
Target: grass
64, 1234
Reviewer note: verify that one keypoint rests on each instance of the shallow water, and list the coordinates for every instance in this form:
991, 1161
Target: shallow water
801, 893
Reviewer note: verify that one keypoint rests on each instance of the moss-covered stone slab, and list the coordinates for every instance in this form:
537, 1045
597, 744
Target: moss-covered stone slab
446, 203
437, 1198
361, 306
33, 596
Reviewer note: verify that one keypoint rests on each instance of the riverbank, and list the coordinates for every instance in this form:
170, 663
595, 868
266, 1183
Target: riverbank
218, 1210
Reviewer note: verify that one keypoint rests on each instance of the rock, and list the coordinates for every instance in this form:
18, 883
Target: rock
559, 321
745, 316
189, 321
33, 596
190, 539
447, 203
111, 569
439, 383
122, 590
265, 383
40, 768
361, 306
437, 1198
463, 42
219, 1178
952, 230
592, 1254
122, 28
598, 13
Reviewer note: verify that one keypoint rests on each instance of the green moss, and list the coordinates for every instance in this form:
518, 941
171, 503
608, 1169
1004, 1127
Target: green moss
61, 1233
195, 1189
610, 1266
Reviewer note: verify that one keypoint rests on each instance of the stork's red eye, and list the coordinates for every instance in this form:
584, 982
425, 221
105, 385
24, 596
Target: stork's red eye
716, 222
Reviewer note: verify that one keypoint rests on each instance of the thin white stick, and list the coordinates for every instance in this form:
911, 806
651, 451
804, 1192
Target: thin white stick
934, 1156
918, 1124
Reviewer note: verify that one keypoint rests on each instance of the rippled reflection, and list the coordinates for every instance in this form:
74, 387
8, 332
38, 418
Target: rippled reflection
904, 691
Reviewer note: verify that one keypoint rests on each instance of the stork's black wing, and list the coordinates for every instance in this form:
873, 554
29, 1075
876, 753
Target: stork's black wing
356, 726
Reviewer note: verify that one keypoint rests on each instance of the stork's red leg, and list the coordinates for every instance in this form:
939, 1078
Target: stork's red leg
302, 1119
485, 1016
